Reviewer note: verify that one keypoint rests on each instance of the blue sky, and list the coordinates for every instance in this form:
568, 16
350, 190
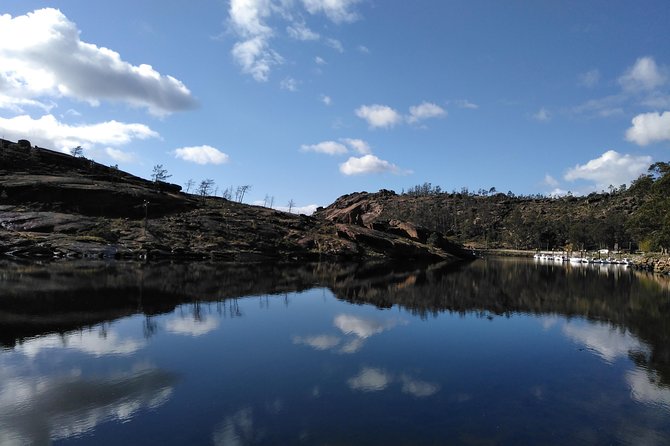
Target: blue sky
311, 99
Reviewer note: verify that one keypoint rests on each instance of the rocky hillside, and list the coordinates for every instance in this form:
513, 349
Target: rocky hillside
501, 220
54, 205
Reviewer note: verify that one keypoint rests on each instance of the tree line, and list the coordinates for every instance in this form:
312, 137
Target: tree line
625, 217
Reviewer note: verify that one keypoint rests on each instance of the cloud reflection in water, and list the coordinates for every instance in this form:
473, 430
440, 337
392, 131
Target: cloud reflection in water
192, 326
38, 410
372, 379
90, 342
604, 339
356, 330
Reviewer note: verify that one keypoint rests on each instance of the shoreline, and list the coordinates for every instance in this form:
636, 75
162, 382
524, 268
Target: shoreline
652, 262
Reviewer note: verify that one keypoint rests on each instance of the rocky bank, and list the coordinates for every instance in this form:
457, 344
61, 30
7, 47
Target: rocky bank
53, 205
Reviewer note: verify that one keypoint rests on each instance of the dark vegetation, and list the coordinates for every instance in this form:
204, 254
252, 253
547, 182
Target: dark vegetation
624, 218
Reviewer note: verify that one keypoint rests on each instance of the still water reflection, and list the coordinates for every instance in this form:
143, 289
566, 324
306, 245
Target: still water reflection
493, 352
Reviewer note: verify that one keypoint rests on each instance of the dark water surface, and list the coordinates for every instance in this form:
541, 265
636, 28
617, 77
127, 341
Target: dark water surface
495, 352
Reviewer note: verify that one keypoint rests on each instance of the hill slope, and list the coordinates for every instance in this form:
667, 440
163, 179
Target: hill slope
624, 218
56, 205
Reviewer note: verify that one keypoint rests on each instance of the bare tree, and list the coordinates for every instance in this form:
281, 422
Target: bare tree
189, 184
272, 201
266, 200
77, 152
160, 173
241, 190
205, 187
291, 203
228, 193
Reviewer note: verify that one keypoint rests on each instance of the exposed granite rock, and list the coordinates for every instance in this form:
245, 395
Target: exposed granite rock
56, 205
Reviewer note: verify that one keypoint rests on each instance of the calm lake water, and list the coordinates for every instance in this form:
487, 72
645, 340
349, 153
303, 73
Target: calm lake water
494, 352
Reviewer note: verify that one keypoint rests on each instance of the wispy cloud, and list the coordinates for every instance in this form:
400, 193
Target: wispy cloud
289, 84
300, 31
643, 75
251, 20
358, 145
335, 44
338, 11
325, 99
590, 78
542, 115
425, 110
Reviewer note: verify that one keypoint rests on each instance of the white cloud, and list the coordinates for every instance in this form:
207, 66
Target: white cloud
370, 379
425, 110
379, 115
289, 84
201, 155
557, 192
18, 104
338, 11
192, 326
589, 79
326, 99
643, 75
256, 57
363, 49
48, 132
120, 155
319, 61
335, 44
306, 210
368, 164
542, 115
550, 181
611, 168
327, 147
41, 54
253, 52
300, 31
248, 16
649, 128
358, 145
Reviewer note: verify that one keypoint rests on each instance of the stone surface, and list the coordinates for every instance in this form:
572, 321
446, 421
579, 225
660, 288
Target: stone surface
53, 205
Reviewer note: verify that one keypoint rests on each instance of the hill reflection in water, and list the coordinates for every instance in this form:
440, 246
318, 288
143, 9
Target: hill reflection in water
478, 314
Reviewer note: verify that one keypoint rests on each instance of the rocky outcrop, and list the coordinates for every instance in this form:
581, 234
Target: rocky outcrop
53, 205
656, 263
495, 221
